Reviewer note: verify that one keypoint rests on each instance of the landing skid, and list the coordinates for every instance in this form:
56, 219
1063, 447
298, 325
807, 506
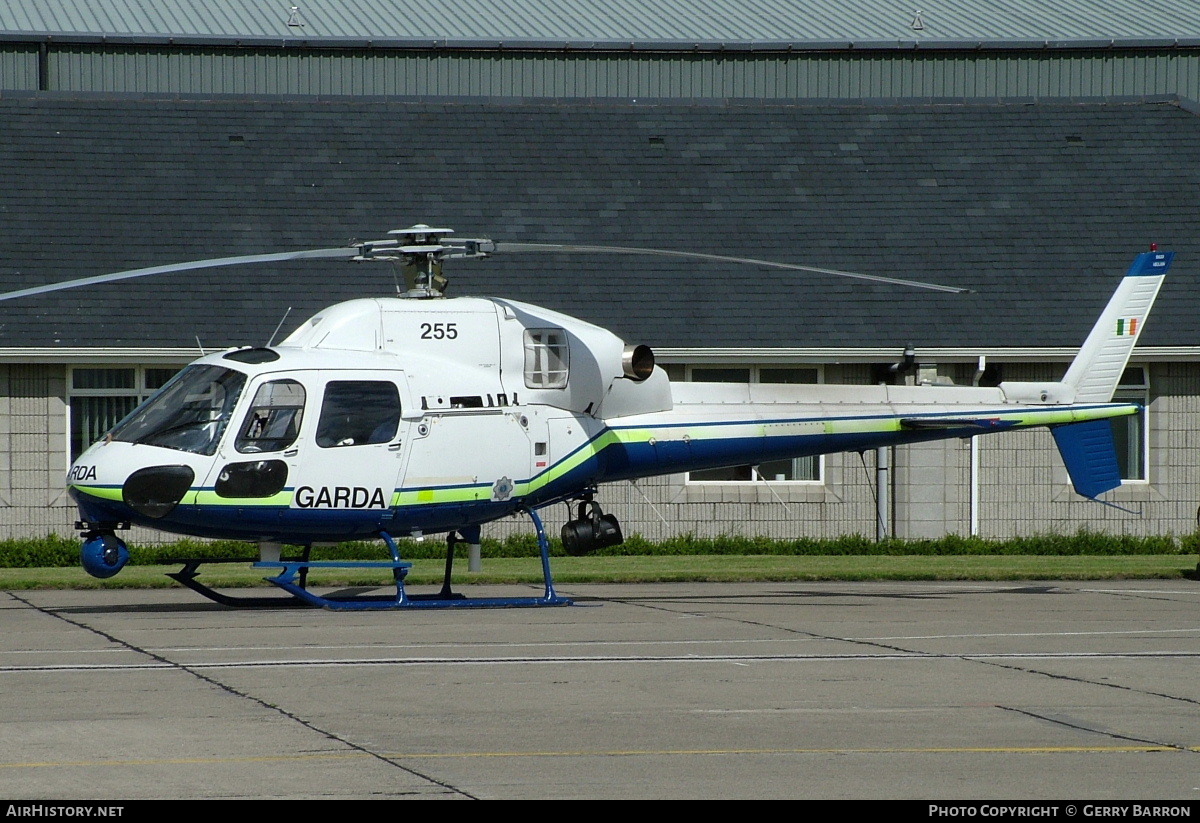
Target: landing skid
191, 568
293, 579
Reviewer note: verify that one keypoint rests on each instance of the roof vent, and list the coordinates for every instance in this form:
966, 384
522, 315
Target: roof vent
294, 18
917, 23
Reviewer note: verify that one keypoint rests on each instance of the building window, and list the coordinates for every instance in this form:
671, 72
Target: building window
802, 469
1130, 434
100, 397
547, 359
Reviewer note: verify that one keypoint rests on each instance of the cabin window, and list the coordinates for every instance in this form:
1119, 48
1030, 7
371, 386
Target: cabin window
273, 422
1130, 434
99, 397
805, 469
547, 359
358, 413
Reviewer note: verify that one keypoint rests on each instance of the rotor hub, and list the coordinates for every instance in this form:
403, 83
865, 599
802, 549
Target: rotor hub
419, 252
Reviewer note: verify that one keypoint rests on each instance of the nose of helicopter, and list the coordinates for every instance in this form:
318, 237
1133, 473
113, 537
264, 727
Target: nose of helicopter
108, 488
105, 501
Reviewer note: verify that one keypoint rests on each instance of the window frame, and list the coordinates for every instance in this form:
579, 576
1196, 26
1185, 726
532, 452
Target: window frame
139, 392
1131, 390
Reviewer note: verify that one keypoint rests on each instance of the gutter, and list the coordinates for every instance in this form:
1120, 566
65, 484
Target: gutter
124, 356
597, 46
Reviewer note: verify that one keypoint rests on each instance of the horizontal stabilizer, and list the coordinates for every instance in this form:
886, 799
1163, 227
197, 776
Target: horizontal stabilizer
1090, 455
981, 423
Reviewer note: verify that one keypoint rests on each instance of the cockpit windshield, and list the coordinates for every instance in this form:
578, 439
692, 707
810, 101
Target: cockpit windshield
189, 413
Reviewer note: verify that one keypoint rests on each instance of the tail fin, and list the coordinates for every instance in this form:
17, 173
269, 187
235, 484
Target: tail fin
1087, 447
1097, 368
1090, 457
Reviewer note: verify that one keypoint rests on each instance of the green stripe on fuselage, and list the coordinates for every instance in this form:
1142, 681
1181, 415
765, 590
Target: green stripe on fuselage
208, 497
100, 492
768, 428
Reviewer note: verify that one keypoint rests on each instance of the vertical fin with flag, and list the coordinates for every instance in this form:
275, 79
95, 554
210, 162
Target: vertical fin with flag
1087, 448
1097, 369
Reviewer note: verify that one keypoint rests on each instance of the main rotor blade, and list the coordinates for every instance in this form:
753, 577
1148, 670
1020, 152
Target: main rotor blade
720, 258
345, 252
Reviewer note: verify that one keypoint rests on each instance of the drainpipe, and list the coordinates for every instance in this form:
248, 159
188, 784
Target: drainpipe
974, 487
974, 479
43, 67
883, 493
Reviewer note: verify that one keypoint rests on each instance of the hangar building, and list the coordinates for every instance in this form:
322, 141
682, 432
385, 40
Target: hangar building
1025, 150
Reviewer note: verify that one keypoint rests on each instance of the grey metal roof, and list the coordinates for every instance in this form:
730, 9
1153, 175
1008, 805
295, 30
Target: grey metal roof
623, 23
1037, 205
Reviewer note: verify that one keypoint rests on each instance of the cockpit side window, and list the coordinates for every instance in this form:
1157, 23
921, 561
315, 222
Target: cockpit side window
358, 413
547, 359
273, 422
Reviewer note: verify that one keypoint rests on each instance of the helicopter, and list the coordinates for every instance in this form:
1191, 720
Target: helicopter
389, 417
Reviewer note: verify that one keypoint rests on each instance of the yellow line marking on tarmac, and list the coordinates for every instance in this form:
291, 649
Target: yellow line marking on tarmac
293, 758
